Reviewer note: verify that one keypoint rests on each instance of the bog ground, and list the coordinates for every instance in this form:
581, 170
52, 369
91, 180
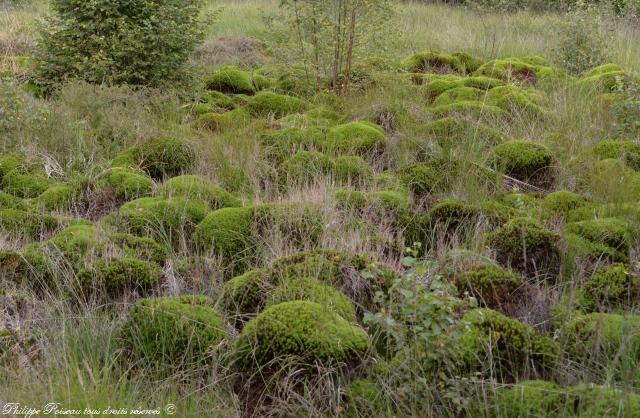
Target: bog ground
435, 217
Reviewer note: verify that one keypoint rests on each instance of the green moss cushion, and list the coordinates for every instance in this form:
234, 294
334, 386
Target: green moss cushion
230, 80
164, 157
357, 138
301, 329
173, 332
197, 188
119, 275
525, 246
524, 161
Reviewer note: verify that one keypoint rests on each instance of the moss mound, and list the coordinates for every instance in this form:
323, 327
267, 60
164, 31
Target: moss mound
280, 144
520, 70
562, 203
422, 179
525, 246
162, 219
164, 157
451, 131
173, 332
59, 197
312, 290
8, 201
75, 242
25, 183
24, 224
611, 288
305, 167
352, 170
524, 161
354, 275
357, 138
494, 343
476, 109
599, 239
606, 342
220, 122
197, 188
434, 62
230, 80
458, 94
458, 216
627, 151
492, 286
606, 78
305, 330
366, 399
119, 275
9, 163
126, 184
277, 105
141, 248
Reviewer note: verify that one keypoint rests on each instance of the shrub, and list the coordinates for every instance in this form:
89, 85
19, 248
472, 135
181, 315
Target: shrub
59, 197
357, 138
524, 161
306, 167
172, 332
582, 44
493, 286
141, 42
25, 183
503, 346
119, 275
197, 188
23, 224
352, 170
277, 105
527, 247
142, 248
627, 151
597, 239
163, 219
609, 289
230, 80
302, 329
434, 62
309, 289
165, 157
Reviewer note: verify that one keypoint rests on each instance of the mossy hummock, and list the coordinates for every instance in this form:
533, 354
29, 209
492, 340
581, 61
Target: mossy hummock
120, 275
524, 161
299, 330
198, 188
357, 138
527, 247
230, 80
172, 332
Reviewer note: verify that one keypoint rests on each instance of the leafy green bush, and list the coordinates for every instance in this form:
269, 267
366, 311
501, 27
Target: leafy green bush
582, 44
141, 42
